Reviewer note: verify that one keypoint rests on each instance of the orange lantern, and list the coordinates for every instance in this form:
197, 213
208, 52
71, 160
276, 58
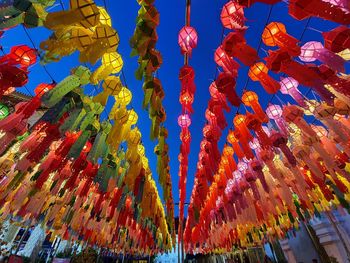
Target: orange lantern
239, 122
275, 34
251, 99
231, 138
259, 72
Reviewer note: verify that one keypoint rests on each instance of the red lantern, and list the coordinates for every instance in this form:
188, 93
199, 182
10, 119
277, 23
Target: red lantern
42, 88
226, 62
226, 84
337, 39
251, 99
236, 46
259, 72
186, 99
281, 61
245, 144
188, 39
218, 96
22, 55
253, 123
239, 122
11, 77
232, 16
302, 9
275, 34
231, 138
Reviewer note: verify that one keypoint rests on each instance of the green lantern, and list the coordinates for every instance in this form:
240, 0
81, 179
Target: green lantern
4, 111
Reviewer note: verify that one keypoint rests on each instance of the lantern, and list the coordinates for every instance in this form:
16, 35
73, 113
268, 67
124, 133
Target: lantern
289, 86
245, 144
232, 16
186, 100
275, 34
281, 61
42, 88
226, 84
218, 96
253, 123
280, 141
302, 9
184, 121
188, 39
231, 138
124, 97
112, 63
105, 18
236, 46
259, 72
274, 112
257, 167
251, 99
313, 50
239, 122
21, 55
226, 62
4, 111
248, 3
337, 39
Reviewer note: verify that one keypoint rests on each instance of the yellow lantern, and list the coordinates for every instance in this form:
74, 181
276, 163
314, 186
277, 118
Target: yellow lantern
124, 97
112, 63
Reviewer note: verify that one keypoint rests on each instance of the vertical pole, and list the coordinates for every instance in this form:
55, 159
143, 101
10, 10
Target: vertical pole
187, 22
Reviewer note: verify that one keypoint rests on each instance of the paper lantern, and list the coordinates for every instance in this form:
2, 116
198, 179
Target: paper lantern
337, 39
302, 9
42, 88
251, 99
274, 112
188, 39
4, 111
253, 123
340, 3
289, 86
235, 45
124, 97
184, 121
22, 55
280, 141
259, 72
232, 16
105, 18
112, 63
226, 84
226, 62
239, 122
281, 61
244, 142
231, 138
313, 50
275, 34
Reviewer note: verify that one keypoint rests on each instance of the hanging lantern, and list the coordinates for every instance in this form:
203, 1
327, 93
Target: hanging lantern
251, 99
239, 122
302, 9
124, 97
231, 138
42, 88
226, 84
232, 16
4, 111
274, 112
275, 34
337, 39
313, 50
184, 121
105, 18
235, 45
22, 55
259, 72
226, 62
188, 39
289, 86
253, 123
281, 61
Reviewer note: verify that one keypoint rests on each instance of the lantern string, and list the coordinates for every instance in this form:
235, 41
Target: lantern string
25, 86
39, 55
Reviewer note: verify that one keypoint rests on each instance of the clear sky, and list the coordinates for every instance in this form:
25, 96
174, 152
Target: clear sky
205, 17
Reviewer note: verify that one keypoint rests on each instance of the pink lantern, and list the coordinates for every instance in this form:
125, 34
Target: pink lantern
313, 50
290, 86
184, 121
188, 39
232, 16
227, 63
274, 112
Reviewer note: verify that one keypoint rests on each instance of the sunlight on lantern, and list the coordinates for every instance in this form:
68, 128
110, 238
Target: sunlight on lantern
4, 111
141, 150
274, 111
105, 18
43, 88
184, 121
25, 55
288, 85
249, 97
113, 59
309, 51
256, 70
124, 97
268, 36
254, 144
239, 119
188, 39
133, 117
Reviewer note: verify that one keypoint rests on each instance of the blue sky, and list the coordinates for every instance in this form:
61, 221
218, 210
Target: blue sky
205, 17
